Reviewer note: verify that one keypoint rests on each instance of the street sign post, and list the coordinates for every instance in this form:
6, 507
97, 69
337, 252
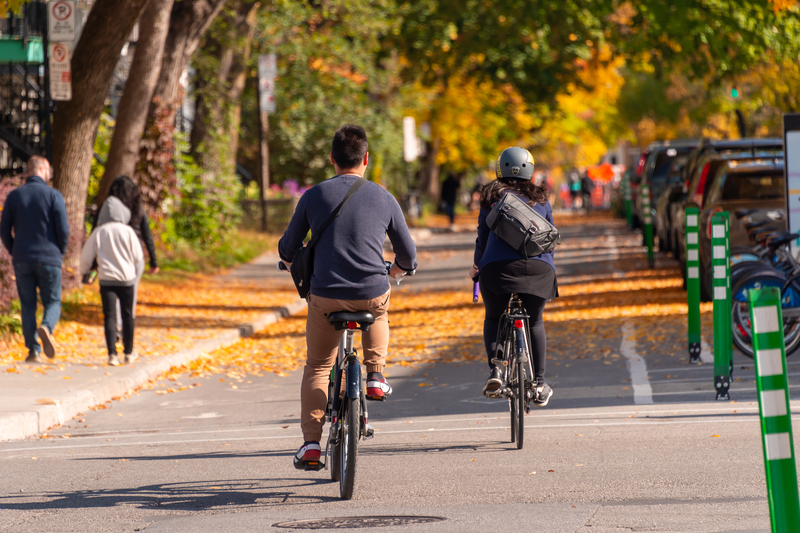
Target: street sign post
60, 72
769, 353
61, 18
628, 210
693, 283
791, 145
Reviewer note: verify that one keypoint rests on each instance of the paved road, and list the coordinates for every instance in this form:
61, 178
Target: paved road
608, 455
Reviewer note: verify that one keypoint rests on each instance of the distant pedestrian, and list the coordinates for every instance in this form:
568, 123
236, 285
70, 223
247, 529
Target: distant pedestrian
35, 231
449, 194
128, 193
120, 261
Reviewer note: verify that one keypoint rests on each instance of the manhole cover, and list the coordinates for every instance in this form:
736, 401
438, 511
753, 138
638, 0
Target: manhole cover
353, 522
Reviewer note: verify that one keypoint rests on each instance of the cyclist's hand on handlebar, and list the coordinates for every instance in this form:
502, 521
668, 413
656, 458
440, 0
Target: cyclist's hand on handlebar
283, 265
396, 272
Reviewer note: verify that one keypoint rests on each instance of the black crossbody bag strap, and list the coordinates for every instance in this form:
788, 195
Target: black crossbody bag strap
353, 188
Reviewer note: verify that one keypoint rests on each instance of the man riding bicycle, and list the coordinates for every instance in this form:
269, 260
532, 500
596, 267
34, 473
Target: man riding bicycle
349, 275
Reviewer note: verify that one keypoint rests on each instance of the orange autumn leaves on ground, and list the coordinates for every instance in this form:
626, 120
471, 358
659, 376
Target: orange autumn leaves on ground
171, 315
446, 327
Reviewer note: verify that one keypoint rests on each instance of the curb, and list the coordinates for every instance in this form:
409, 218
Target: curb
21, 425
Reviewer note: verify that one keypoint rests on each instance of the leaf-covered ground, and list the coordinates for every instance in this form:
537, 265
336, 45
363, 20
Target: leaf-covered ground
172, 314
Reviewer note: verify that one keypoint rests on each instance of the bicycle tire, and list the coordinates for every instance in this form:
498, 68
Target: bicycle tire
742, 334
336, 458
351, 429
520, 402
513, 408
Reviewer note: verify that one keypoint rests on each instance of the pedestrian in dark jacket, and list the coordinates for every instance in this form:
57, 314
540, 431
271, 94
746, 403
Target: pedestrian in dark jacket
35, 231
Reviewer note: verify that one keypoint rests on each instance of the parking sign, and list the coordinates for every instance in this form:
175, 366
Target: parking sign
61, 20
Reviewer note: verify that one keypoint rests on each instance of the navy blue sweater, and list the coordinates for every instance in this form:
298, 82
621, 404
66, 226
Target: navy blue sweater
348, 258
490, 248
38, 216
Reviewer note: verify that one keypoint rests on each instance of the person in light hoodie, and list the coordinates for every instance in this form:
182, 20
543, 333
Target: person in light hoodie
120, 260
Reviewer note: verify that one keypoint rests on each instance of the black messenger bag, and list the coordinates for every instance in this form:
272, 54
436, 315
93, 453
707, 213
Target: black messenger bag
303, 262
521, 227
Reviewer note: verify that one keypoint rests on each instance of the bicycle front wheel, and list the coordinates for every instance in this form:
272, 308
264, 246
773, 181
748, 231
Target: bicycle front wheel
351, 426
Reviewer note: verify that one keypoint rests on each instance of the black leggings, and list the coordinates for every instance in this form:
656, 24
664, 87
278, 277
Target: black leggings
496, 304
109, 295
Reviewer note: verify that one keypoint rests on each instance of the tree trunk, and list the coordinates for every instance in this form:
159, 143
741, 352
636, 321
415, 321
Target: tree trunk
135, 103
188, 22
221, 81
108, 26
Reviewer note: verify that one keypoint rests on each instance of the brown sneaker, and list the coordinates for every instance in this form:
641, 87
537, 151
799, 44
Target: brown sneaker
47, 341
33, 358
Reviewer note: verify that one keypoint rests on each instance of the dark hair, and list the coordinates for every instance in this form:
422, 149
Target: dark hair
128, 193
349, 146
494, 191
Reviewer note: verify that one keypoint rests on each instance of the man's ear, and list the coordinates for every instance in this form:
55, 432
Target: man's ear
331, 156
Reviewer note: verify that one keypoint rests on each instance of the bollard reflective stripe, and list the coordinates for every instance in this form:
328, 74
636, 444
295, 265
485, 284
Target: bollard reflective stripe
628, 210
720, 292
769, 353
693, 285
647, 222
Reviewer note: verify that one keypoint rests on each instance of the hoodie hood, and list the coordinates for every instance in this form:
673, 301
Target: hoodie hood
113, 210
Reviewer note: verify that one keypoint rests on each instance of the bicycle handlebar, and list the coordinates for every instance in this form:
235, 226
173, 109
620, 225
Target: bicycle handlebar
282, 266
475, 292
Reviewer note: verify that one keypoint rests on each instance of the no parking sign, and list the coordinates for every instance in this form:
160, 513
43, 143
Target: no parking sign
61, 20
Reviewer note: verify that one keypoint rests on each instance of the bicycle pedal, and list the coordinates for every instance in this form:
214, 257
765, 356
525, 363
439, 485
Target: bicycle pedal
369, 432
501, 362
314, 466
375, 398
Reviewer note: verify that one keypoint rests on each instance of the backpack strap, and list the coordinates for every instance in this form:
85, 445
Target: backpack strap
353, 188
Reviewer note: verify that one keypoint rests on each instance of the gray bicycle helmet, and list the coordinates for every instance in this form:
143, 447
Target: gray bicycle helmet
515, 163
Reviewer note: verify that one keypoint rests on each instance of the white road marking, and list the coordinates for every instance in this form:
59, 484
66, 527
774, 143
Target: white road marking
642, 391
629, 422
706, 353
205, 415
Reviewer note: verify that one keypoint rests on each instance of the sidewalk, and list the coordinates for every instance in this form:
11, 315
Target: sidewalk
177, 322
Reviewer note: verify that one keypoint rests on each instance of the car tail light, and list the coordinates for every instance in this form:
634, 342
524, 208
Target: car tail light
697, 196
710, 218
640, 165
352, 325
518, 324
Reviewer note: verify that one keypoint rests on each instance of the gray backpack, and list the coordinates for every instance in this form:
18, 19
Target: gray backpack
521, 227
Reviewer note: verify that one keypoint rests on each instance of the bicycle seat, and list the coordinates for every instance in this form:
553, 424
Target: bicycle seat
752, 225
741, 213
780, 239
340, 319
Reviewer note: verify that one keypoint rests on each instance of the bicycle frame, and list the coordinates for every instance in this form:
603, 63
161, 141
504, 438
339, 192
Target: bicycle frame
347, 366
514, 312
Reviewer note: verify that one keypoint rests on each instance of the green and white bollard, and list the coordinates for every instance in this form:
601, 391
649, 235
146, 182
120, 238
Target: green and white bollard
693, 283
723, 347
773, 404
628, 209
647, 222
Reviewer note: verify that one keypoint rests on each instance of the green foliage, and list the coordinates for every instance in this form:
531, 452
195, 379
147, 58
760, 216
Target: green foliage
11, 6
102, 143
716, 38
205, 209
11, 322
238, 247
329, 73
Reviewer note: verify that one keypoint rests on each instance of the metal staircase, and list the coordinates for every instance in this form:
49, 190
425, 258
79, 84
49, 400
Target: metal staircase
25, 112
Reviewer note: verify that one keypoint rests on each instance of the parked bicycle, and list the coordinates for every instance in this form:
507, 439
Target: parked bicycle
769, 263
513, 357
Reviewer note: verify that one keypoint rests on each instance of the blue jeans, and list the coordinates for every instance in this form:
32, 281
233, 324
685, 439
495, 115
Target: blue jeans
48, 279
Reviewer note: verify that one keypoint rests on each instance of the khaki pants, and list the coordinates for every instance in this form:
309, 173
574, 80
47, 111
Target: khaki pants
322, 342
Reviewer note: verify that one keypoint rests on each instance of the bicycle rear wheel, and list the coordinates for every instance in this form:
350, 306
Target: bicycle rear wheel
351, 426
336, 456
519, 401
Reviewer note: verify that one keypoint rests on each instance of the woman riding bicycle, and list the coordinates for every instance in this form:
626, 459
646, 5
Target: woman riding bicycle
503, 271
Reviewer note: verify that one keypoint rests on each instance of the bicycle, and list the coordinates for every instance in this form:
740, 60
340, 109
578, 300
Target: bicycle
346, 411
513, 355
